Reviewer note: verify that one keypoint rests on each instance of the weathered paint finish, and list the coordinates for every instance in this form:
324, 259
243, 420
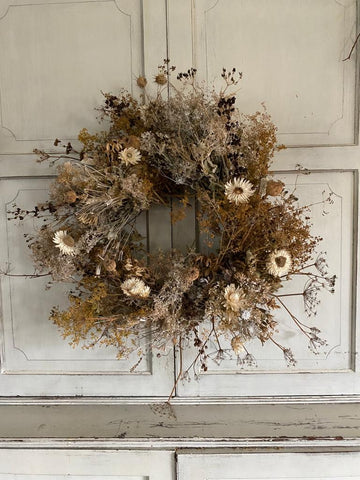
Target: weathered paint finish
154, 420
88, 464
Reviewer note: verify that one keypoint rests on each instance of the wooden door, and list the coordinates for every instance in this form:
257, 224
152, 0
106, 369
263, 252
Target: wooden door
56, 57
292, 56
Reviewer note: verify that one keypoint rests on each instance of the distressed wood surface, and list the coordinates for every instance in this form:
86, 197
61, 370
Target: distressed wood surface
151, 420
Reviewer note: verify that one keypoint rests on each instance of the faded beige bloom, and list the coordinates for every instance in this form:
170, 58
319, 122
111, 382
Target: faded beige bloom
110, 265
70, 196
237, 345
274, 188
238, 190
134, 268
132, 141
134, 287
130, 156
279, 263
64, 242
234, 297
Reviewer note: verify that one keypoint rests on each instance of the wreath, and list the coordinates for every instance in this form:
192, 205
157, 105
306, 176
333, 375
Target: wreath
190, 143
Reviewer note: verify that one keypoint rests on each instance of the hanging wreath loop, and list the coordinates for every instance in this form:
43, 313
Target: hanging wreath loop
190, 149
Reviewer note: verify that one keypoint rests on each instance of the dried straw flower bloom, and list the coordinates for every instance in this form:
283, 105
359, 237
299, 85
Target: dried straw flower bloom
235, 298
64, 242
279, 263
130, 156
238, 190
134, 287
237, 344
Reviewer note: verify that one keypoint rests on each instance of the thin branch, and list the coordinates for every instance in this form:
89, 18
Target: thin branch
289, 295
31, 275
180, 372
292, 316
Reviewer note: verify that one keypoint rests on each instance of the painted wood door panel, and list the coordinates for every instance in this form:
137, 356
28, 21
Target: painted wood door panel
66, 53
333, 370
35, 359
86, 465
290, 54
294, 466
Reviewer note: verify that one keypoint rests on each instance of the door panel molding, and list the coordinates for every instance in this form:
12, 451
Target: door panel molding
308, 89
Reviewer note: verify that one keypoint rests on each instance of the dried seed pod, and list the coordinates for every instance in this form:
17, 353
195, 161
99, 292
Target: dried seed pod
110, 265
141, 82
237, 345
132, 141
161, 79
193, 274
70, 196
274, 188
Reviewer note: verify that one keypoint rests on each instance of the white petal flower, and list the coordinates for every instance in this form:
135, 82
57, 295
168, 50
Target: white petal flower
64, 242
279, 263
246, 314
238, 190
234, 298
130, 156
134, 287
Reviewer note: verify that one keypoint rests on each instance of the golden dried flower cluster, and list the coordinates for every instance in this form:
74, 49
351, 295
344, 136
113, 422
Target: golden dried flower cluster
194, 144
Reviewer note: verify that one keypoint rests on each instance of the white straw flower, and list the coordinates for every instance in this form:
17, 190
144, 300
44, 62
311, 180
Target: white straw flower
238, 190
64, 242
130, 156
134, 287
234, 297
279, 263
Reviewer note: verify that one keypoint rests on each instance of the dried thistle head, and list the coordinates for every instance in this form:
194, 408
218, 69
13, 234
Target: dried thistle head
141, 82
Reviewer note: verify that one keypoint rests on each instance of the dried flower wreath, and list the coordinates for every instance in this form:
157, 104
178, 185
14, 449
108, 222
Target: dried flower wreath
193, 144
